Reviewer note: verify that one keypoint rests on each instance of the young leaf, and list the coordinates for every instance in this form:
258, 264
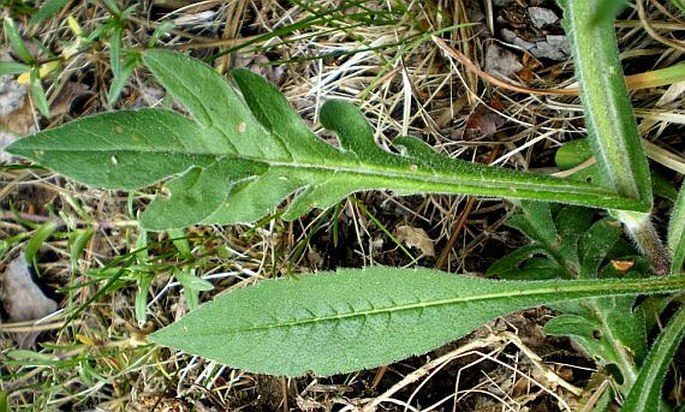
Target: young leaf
38, 93
121, 77
192, 286
47, 10
13, 68
115, 49
180, 240
517, 265
596, 244
554, 237
608, 328
39, 237
576, 152
78, 239
17, 42
4, 405
240, 158
679, 4
357, 319
140, 303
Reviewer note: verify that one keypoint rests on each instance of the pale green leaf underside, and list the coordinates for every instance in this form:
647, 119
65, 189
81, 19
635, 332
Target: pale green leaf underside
240, 156
356, 319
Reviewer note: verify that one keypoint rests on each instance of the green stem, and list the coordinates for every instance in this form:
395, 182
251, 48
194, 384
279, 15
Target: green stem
610, 121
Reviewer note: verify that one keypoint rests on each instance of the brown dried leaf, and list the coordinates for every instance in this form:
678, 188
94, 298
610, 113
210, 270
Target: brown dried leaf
622, 265
501, 62
483, 121
67, 95
22, 299
415, 237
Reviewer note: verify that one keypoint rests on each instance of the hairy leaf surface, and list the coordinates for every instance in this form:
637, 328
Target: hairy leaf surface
676, 233
246, 149
645, 395
356, 319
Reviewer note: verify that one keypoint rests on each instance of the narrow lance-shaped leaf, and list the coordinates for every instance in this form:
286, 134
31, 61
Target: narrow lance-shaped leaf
242, 155
356, 319
646, 393
676, 233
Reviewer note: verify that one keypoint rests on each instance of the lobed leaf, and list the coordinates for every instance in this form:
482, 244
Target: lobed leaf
608, 328
246, 150
122, 150
356, 319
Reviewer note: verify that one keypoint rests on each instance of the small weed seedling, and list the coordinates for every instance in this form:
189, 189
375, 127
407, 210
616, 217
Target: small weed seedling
244, 150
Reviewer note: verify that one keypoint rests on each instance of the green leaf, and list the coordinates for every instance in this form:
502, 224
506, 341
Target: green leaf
535, 222
512, 266
13, 68
238, 159
38, 237
161, 30
676, 232
4, 405
596, 244
38, 93
113, 7
192, 286
181, 243
556, 236
120, 150
572, 222
47, 10
17, 42
646, 392
608, 328
140, 305
121, 72
607, 10
192, 282
120, 80
356, 319
78, 239
115, 49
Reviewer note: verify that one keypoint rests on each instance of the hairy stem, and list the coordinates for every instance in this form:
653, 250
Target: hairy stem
610, 121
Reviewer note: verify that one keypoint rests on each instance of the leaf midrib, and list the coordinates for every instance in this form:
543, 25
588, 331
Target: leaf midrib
638, 285
423, 174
